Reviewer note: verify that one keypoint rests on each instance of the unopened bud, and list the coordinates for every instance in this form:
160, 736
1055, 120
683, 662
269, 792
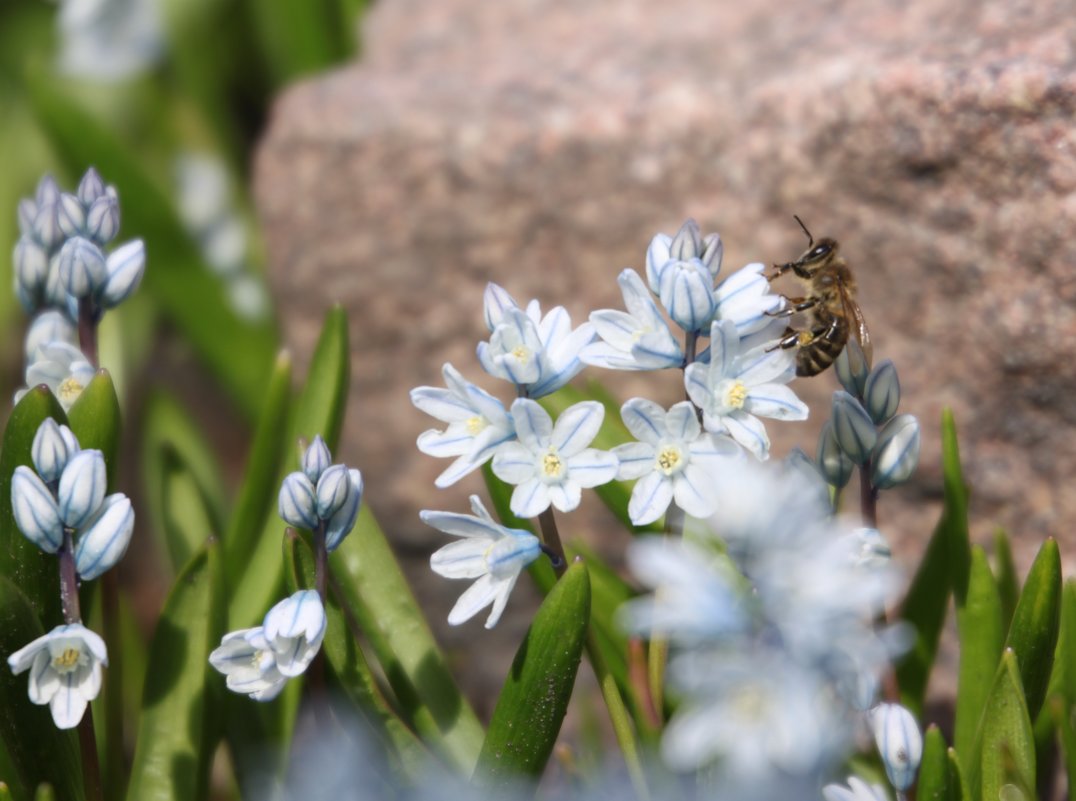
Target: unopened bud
90, 187
103, 219
126, 266
853, 427
35, 510
882, 392
49, 451
82, 488
495, 302
832, 461
896, 454
106, 537
70, 215
48, 191
83, 269
687, 244
332, 491
27, 211
852, 368
297, 502
47, 229
686, 292
341, 523
316, 459
900, 743
713, 253
31, 266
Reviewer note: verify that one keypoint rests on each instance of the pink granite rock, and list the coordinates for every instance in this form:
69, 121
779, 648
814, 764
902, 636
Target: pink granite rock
542, 144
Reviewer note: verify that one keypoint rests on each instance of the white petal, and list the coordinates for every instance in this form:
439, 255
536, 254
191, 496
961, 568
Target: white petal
697, 384
657, 255
636, 459
577, 426
749, 432
775, 401
615, 327
495, 301
644, 419
503, 590
462, 559
713, 452
514, 463
693, 490
555, 326
530, 498
761, 365
565, 496
534, 427
463, 466
650, 499
476, 598
44, 681
453, 441
68, 705
724, 348
682, 422
126, 265
460, 525
441, 403
592, 467
300, 615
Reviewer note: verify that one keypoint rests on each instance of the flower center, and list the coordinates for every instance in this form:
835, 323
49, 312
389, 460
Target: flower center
670, 459
67, 661
69, 390
736, 395
552, 466
521, 353
476, 424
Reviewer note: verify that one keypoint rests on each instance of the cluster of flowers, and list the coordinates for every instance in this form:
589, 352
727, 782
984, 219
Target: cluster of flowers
322, 498
770, 602
63, 276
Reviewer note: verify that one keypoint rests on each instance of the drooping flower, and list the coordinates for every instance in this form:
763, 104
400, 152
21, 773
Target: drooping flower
478, 424
294, 629
488, 552
538, 354
248, 662
638, 339
737, 387
551, 464
65, 671
674, 459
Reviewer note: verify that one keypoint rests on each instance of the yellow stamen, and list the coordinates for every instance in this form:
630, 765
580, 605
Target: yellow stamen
552, 466
669, 459
736, 395
69, 390
475, 424
66, 661
521, 353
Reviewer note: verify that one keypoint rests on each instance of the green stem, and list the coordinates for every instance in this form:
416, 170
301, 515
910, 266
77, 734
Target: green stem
115, 780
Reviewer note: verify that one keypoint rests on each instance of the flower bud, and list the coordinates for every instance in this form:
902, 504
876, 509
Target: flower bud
899, 741
896, 454
90, 187
686, 291
852, 367
832, 461
83, 269
47, 225
853, 427
495, 302
687, 244
103, 219
48, 191
49, 451
713, 254
82, 488
35, 510
27, 211
341, 523
881, 392
49, 326
125, 266
31, 266
316, 459
294, 629
105, 538
297, 502
70, 215
332, 491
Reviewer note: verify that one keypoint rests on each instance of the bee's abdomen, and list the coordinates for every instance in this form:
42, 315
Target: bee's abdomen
830, 336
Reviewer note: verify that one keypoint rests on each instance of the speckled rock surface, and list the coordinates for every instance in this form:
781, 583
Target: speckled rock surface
542, 144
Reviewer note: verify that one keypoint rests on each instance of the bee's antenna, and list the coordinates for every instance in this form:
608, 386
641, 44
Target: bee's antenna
810, 239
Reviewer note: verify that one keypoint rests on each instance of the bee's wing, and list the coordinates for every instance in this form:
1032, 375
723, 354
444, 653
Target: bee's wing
855, 314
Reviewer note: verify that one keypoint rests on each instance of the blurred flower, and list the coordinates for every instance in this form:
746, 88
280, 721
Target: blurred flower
489, 552
552, 464
638, 339
673, 459
249, 664
294, 629
900, 743
478, 424
48, 326
857, 790
736, 387
538, 354
65, 671
109, 39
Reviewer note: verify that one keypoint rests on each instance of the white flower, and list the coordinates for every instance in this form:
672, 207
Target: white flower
899, 741
61, 367
249, 664
478, 424
745, 298
109, 39
736, 388
48, 326
294, 629
488, 551
638, 339
551, 464
538, 354
65, 671
857, 790
673, 459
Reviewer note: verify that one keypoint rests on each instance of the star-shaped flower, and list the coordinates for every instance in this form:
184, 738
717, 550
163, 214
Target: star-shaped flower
737, 387
673, 459
65, 671
488, 551
551, 464
248, 662
638, 339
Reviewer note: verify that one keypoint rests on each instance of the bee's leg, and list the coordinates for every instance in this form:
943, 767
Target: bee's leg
794, 306
790, 339
779, 270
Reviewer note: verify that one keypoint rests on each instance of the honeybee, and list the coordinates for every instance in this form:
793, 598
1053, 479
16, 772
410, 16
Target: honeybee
830, 306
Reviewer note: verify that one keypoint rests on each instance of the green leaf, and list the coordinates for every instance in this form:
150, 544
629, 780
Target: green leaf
299, 37
178, 726
94, 419
1063, 714
936, 781
1063, 680
956, 772
45, 793
29, 568
531, 707
1005, 750
182, 480
1005, 569
349, 666
5, 793
319, 410
237, 350
981, 638
39, 751
258, 493
1035, 624
371, 585
944, 569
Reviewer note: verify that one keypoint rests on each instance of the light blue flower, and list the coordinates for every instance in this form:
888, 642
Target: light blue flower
330, 502
745, 299
65, 671
737, 387
47, 327
900, 743
488, 552
478, 424
248, 662
294, 629
857, 790
673, 459
538, 354
552, 464
638, 339
63, 369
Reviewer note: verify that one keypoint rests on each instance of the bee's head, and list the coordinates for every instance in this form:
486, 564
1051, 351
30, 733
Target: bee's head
819, 251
